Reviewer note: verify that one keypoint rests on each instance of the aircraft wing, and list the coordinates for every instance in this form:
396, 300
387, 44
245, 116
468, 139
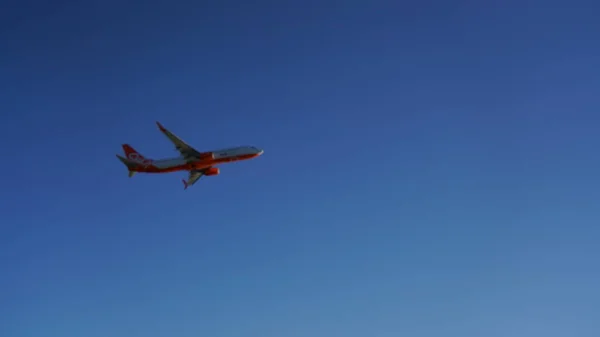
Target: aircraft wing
186, 150
193, 177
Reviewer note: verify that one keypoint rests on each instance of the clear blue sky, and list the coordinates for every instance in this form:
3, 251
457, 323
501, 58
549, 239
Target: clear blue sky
429, 170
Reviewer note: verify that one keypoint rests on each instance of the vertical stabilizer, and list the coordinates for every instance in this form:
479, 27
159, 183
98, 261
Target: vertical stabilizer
132, 154
134, 158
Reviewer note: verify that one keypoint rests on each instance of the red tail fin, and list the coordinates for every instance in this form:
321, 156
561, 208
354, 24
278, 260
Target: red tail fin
131, 153
134, 156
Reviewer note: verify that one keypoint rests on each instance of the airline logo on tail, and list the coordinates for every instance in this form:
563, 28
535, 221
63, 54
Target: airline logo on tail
135, 156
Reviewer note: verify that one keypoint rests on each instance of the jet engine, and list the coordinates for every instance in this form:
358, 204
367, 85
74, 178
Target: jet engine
213, 171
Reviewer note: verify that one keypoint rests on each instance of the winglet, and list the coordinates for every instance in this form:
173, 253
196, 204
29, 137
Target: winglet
185, 184
160, 127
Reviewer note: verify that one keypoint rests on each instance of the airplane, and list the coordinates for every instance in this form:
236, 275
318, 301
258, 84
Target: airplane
197, 163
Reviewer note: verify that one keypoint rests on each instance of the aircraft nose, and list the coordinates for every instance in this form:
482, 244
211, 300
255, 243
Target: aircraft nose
260, 151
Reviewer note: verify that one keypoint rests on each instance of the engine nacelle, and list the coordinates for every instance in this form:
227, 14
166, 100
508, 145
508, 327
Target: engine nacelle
206, 155
213, 171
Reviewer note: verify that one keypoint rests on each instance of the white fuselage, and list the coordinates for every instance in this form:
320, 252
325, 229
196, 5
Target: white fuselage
219, 157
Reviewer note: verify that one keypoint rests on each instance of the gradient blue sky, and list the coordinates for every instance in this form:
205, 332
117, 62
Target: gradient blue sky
429, 170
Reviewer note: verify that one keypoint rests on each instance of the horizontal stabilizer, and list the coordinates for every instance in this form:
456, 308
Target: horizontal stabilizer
129, 165
125, 161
